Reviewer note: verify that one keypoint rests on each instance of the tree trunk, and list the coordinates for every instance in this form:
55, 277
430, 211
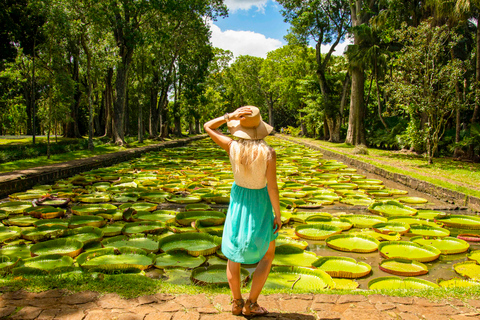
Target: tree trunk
356, 119
334, 128
346, 82
270, 111
109, 104
89, 92
119, 106
303, 127
471, 151
71, 130
197, 125
153, 120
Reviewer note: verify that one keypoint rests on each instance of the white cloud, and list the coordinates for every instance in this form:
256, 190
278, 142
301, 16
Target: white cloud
235, 5
243, 42
339, 49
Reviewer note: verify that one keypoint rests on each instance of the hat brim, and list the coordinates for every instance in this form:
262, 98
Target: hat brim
257, 133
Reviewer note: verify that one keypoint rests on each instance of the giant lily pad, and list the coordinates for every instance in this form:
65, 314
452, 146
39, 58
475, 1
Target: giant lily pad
298, 278
412, 200
184, 199
143, 227
15, 207
403, 267
408, 250
281, 241
94, 197
343, 267
195, 244
45, 212
459, 221
469, 269
388, 227
457, 283
16, 251
342, 223
84, 234
317, 231
139, 206
159, 216
290, 255
115, 260
20, 221
48, 262
363, 221
207, 217
43, 232
474, 255
93, 209
399, 283
391, 208
86, 221
352, 243
178, 259
147, 243
428, 231
9, 234
215, 275
447, 245
64, 247
7, 263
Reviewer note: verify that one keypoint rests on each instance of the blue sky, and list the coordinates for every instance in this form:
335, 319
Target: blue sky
253, 27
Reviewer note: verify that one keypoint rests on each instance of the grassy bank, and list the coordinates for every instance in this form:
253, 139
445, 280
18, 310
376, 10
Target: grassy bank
101, 147
445, 172
131, 286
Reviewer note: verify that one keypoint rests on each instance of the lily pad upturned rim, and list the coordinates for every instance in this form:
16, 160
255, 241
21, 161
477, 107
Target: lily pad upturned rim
339, 273
445, 220
78, 245
405, 280
435, 252
179, 256
324, 276
321, 226
185, 218
373, 208
330, 239
193, 236
90, 255
424, 269
438, 244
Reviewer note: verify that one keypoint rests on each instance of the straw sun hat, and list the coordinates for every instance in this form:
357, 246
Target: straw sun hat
250, 127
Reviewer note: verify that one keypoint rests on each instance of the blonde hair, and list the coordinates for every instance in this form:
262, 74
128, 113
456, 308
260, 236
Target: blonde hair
247, 151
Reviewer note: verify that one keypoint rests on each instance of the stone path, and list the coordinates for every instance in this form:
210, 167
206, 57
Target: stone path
87, 305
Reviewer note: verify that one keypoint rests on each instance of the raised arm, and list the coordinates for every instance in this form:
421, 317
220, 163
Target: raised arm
219, 138
272, 188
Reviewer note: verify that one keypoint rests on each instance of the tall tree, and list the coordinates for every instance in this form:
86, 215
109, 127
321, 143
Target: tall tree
324, 22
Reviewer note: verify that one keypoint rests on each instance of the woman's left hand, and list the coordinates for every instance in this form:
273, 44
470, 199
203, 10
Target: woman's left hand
277, 224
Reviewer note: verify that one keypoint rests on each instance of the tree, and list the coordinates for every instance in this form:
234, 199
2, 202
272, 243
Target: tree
325, 22
425, 82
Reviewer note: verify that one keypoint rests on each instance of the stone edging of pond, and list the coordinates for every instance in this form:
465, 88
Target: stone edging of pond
441, 193
20, 180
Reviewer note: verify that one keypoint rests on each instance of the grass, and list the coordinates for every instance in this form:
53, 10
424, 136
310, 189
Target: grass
132, 286
100, 148
445, 172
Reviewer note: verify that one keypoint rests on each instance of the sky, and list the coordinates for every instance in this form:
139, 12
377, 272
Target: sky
253, 27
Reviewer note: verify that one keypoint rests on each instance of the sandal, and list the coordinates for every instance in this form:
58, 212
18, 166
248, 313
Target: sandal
237, 306
253, 309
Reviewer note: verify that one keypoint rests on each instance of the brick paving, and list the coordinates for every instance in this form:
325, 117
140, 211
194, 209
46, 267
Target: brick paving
87, 305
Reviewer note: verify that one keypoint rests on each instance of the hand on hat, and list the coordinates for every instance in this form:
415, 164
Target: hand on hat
240, 113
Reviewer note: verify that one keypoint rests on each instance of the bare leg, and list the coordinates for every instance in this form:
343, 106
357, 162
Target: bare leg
233, 276
261, 273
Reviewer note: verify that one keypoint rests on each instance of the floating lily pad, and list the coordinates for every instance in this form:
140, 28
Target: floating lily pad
412, 200
352, 243
388, 227
113, 229
399, 283
357, 201
408, 250
88, 209
45, 212
428, 231
459, 221
9, 234
184, 199
298, 278
49, 262
84, 234
94, 197
470, 237
290, 255
457, 283
156, 197
281, 241
147, 243
16, 251
391, 208
474, 255
412, 221
15, 207
159, 215
143, 227
195, 244
139, 206
427, 214
215, 275
469, 269
115, 260
342, 223
64, 247
447, 245
342, 267
344, 284
197, 207
7, 263
317, 231
403, 267
179, 259
20, 221
363, 221
207, 217
51, 222
86, 221
43, 233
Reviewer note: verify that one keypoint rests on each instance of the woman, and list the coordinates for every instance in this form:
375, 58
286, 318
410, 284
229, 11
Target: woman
250, 228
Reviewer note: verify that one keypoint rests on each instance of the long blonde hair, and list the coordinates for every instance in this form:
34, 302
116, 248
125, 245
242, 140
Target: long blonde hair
247, 151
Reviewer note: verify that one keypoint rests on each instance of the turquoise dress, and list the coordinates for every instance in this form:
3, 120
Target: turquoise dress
248, 228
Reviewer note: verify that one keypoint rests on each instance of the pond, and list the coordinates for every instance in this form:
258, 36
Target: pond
122, 219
